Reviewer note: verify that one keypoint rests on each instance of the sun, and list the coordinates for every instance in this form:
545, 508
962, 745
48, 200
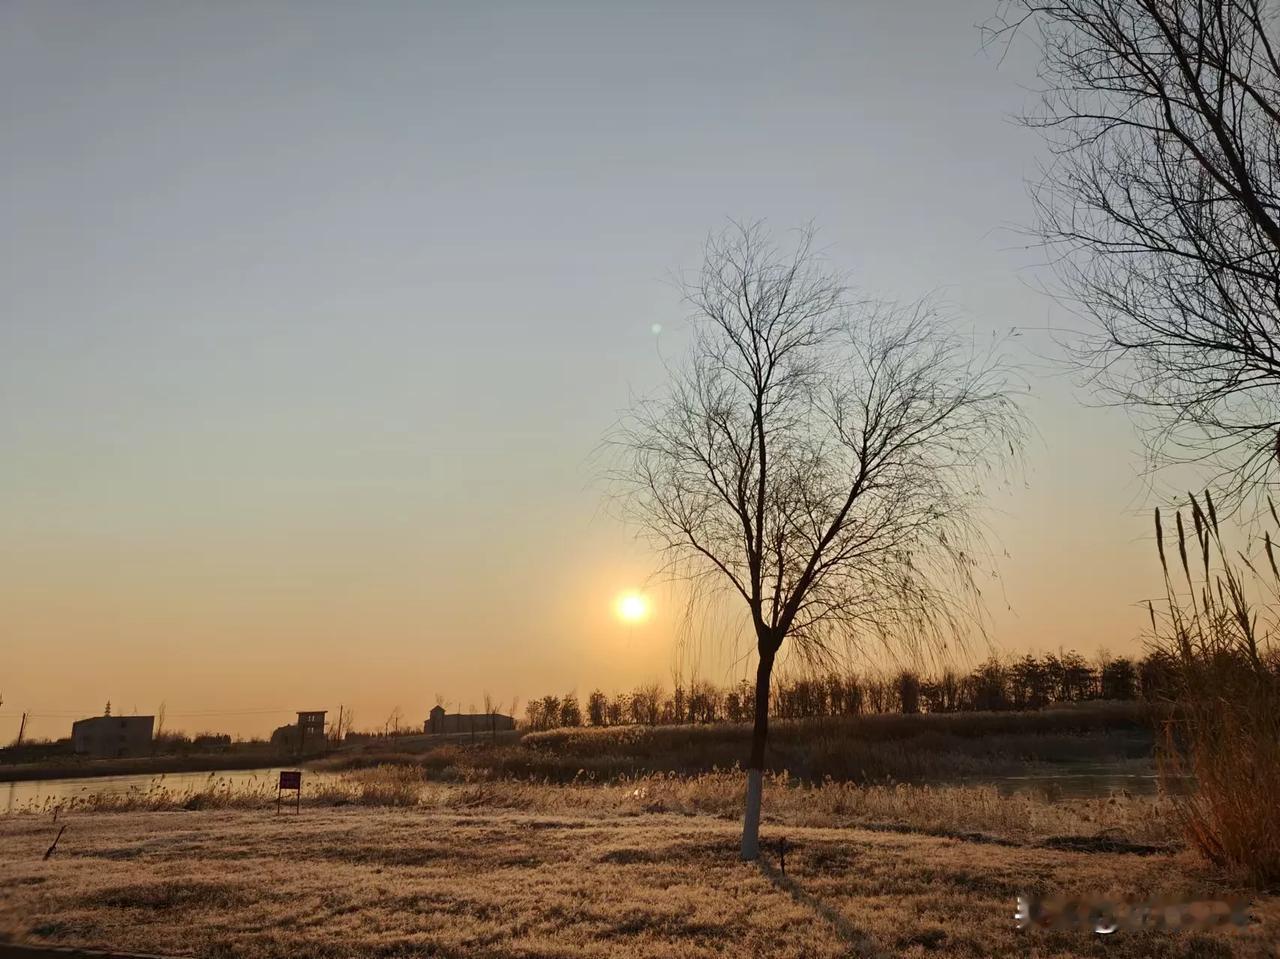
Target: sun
632, 607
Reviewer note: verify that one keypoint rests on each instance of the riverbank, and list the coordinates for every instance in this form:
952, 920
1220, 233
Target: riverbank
971, 810
866, 749
943, 747
475, 875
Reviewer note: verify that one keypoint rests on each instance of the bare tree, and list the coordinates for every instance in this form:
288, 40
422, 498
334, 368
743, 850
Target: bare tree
347, 723
394, 720
819, 459
649, 698
1162, 208
491, 710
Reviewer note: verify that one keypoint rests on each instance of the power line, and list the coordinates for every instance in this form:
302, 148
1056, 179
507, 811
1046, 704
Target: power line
212, 713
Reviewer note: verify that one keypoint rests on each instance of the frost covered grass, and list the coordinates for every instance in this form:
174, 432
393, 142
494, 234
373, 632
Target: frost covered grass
939, 810
535, 870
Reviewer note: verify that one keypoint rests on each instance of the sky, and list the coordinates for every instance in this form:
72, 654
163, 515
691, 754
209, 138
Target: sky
313, 315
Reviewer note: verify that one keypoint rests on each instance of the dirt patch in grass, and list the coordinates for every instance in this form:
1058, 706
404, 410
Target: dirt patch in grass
174, 895
1104, 844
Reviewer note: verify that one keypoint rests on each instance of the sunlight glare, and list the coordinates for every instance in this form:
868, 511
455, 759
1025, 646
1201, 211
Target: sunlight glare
632, 607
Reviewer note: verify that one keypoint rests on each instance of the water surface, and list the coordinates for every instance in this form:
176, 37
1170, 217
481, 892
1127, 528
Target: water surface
1080, 780
16, 796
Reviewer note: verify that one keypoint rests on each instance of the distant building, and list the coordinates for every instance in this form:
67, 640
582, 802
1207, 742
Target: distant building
439, 722
111, 737
304, 736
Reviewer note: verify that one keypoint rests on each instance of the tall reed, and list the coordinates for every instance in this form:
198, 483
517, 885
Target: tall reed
1223, 734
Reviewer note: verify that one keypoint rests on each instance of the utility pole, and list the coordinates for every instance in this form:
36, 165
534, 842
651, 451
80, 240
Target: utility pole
22, 728
339, 735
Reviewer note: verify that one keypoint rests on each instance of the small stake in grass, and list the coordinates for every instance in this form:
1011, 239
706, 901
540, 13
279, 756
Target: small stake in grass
49, 852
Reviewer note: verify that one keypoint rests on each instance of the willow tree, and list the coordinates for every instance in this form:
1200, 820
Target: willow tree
820, 458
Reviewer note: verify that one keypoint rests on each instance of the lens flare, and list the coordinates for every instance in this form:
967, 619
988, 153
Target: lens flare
632, 607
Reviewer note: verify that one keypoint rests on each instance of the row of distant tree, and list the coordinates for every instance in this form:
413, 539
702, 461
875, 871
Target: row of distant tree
1030, 682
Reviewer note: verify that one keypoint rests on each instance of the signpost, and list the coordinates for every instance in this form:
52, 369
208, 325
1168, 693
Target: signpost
290, 779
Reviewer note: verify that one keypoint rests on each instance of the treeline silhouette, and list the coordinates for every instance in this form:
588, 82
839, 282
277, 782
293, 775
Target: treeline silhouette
1019, 684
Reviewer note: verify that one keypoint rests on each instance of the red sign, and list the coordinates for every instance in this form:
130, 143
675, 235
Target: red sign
291, 779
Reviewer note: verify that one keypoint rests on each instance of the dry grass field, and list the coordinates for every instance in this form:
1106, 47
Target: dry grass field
389, 864
959, 811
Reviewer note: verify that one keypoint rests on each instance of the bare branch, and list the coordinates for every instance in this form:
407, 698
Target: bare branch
823, 457
1162, 205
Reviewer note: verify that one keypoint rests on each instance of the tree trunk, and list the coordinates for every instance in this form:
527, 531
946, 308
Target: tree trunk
755, 765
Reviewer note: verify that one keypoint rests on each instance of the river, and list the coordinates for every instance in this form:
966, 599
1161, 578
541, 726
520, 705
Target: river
1080, 780
16, 796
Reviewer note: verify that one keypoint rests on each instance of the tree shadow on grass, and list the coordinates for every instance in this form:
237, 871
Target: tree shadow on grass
860, 943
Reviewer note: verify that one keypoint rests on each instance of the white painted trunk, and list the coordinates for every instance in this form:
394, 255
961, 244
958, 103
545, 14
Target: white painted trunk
751, 822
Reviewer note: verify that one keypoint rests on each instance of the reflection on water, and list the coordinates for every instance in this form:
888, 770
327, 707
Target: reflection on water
1081, 781
24, 795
